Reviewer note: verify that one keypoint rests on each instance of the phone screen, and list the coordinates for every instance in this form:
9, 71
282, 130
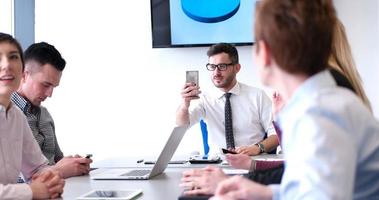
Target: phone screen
192, 77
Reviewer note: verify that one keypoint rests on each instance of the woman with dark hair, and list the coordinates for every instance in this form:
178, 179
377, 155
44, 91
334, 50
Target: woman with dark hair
20, 152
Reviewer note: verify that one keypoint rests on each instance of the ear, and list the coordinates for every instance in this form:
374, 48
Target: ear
25, 75
264, 53
237, 67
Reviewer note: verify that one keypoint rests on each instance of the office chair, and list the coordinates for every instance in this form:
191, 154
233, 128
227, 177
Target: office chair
204, 133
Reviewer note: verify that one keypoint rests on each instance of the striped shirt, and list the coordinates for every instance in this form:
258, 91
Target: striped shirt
42, 125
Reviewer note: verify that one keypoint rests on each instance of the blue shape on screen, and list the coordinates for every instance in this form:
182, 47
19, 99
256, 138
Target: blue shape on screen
210, 11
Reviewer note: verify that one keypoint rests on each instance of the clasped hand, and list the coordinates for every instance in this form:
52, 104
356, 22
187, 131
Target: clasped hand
47, 184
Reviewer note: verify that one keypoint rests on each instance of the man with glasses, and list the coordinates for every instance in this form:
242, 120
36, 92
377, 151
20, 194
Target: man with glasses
238, 116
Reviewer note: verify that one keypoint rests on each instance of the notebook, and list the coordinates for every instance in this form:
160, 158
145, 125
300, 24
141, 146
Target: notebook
144, 174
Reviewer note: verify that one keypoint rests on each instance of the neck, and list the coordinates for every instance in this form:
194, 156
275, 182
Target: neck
228, 88
22, 94
19, 91
286, 84
5, 101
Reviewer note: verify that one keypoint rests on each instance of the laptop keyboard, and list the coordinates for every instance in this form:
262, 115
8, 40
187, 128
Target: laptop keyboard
138, 172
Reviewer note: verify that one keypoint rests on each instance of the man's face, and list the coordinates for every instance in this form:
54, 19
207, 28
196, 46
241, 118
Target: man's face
37, 86
223, 79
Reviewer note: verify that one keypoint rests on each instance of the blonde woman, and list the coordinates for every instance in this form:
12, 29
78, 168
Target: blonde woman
341, 59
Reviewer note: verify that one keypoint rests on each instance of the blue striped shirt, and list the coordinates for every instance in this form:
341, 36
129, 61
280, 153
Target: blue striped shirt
330, 144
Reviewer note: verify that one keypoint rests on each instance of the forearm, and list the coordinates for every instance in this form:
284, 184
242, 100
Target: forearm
266, 172
270, 143
63, 169
263, 146
57, 168
259, 165
182, 115
58, 152
30, 169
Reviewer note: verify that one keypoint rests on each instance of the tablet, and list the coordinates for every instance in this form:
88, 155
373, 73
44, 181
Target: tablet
110, 194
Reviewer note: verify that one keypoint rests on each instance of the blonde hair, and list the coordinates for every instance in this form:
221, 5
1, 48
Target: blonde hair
342, 60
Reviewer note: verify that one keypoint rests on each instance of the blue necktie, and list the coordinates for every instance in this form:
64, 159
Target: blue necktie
228, 123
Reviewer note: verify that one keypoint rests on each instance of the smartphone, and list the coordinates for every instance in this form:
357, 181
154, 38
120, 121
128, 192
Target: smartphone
88, 156
111, 194
192, 77
226, 151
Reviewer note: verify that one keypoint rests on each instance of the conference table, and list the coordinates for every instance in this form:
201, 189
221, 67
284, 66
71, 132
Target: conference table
164, 186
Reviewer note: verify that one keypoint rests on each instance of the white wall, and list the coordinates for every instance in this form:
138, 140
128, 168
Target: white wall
6, 16
118, 96
361, 19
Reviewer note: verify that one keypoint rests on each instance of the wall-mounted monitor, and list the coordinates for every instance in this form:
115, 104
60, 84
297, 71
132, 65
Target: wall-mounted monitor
192, 23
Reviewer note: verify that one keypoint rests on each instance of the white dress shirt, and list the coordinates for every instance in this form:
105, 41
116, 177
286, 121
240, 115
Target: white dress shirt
251, 114
330, 143
19, 152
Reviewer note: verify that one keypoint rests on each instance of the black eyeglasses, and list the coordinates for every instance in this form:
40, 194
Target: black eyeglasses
220, 67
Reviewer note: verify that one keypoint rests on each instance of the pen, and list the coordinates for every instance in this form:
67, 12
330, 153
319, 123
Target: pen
139, 161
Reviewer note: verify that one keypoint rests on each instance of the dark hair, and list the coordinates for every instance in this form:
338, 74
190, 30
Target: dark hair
298, 33
224, 48
44, 53
4, 37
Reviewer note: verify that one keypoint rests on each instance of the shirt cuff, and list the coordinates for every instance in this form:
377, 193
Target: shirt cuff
271, 130
275, 188
22, 191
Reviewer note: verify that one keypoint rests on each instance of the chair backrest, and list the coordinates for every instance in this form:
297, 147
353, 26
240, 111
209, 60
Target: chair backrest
204, 133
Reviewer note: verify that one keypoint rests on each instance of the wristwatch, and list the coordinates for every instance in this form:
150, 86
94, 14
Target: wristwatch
261, 147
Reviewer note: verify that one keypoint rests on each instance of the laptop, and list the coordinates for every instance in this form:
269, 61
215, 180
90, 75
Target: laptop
145, 174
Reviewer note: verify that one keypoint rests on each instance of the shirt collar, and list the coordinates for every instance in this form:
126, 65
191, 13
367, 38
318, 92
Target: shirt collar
2, 108
24, 104
4, 111
235, 90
